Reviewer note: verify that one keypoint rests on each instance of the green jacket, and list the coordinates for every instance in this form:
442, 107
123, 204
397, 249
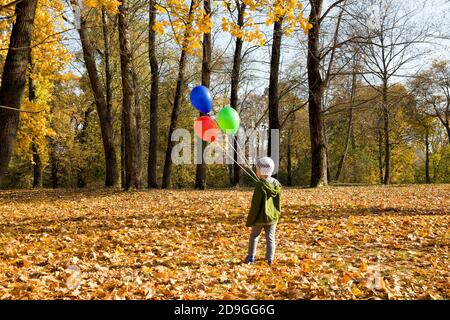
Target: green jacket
266, 204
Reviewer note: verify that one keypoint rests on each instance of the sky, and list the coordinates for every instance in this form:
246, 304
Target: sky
435, 13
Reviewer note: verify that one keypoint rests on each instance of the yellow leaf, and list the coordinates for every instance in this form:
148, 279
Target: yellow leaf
356, 291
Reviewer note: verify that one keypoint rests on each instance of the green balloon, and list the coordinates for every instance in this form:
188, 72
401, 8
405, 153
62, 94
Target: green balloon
228, 120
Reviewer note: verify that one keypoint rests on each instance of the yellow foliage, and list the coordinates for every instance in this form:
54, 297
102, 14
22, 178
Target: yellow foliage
158, 27
289, 10
292, 14
35, 126
187, 28
5, 24
111, 5
49, 58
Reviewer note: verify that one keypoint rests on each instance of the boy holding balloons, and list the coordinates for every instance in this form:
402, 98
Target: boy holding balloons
265, 210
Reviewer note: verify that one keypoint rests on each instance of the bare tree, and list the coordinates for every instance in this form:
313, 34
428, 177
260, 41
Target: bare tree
390, 42
348, 134
433, 90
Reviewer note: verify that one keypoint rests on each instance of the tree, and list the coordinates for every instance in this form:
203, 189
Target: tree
316, 89
433, 91
245, 29
154, 97
237, 8
348, 134
389, 47
274, 123
107, 54
47, 58
132, 154
317, 85
281, 11
37, 163
200, 176
14, 79
70, 108
104, 113
187, 24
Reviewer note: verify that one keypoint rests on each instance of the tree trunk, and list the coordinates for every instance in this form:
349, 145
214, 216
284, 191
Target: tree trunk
298, 167
138, 114
104, 113
326, 152
230, 174
108, 74
173, 120
346, 145
128, 101
82, 140
380, 152
37, 166
348, 134
14, 79
316, 90
387, 144
123, 167
37, 163
274, 123
176, 108
447, 127
200, 177
235, 78
289, 158
153, 131
54, 166
427, 157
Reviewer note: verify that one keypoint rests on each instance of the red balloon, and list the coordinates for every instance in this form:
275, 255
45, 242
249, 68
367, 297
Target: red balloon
206, 128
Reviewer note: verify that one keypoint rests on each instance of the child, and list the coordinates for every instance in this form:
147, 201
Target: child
265, 210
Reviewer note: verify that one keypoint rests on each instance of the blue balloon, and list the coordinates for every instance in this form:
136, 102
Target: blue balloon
201, 99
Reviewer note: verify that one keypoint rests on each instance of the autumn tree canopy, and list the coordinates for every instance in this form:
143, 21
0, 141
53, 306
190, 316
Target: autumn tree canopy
314, 75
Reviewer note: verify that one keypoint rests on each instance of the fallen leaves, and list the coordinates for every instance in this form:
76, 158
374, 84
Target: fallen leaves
333, 243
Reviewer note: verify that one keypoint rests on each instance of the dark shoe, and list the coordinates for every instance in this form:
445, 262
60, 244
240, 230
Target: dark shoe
250, 260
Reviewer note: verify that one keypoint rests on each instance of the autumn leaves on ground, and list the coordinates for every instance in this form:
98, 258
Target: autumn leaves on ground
333, 243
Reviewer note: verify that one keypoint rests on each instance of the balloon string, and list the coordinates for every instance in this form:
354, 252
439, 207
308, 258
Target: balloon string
242, 152
243, 158
251, 176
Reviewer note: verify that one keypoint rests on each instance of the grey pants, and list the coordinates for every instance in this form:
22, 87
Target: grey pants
269, 231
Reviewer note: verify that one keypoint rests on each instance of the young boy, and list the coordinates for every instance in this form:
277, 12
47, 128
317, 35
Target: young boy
265, 210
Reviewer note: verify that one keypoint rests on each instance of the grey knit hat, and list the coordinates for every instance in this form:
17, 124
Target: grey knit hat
266, 166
